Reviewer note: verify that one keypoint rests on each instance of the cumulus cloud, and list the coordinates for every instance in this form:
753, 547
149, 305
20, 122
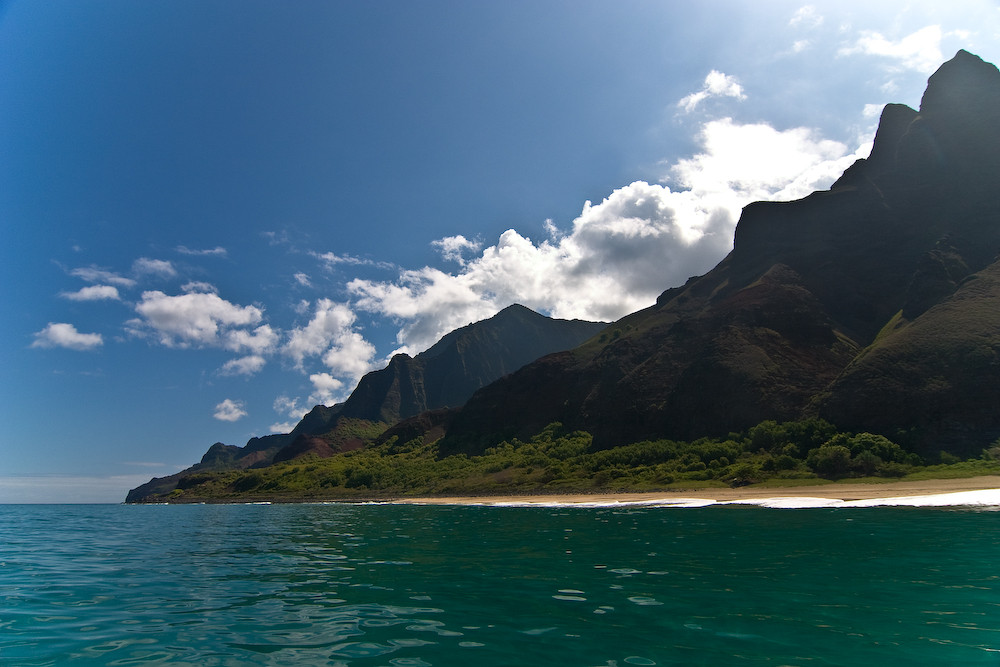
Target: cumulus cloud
155, 267
622, 252
452, 248
93, 293
248, 365
303, 279
217, 251
201, 320
716, 84
326, 389
429, 303
261, 340
330, 335
920, 51
744, 162
230, 410
60, 334
93, 274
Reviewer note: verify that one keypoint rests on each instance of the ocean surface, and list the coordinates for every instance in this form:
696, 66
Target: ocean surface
343, 584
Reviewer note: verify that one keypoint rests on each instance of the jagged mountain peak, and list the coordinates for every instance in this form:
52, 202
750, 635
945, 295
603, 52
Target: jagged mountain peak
966, 84
447, 373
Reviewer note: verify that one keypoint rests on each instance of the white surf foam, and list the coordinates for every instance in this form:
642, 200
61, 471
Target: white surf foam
981, 498
658, 502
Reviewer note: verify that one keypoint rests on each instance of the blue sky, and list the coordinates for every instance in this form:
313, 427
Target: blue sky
216, 214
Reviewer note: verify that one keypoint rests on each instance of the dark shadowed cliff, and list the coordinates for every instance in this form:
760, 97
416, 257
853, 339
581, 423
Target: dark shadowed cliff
447, 373
872, 304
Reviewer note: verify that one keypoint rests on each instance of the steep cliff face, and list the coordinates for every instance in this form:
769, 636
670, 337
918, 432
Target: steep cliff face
446, 375
776, 329
938, 374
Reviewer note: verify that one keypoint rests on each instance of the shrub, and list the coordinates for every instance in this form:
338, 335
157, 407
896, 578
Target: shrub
830, 461
192, 480
892, 469
248, 482
743, 474
866, 463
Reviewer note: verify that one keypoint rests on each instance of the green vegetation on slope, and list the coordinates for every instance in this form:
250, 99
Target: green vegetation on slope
559, 461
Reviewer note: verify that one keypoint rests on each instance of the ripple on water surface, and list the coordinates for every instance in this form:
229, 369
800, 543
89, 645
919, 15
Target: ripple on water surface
382, 584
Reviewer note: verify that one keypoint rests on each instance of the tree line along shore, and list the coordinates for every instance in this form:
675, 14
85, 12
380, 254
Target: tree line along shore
809, 453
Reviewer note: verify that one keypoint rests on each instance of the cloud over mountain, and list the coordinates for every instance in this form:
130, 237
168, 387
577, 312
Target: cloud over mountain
331, 336
621, 253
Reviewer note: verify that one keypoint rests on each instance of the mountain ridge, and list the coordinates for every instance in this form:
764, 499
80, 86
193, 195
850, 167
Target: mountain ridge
808, 286
441, 377
874, 305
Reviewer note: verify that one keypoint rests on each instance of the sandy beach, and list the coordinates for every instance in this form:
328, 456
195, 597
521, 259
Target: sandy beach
841, 491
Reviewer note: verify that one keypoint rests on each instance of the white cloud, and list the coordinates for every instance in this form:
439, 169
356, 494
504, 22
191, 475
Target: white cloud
430, 302
230, 410
873, 111
261, 340
156, 267
283, 427
248, 365
60, 334
453, 247
920, 51
326, 389
330, 335
742, 163
303, 279
716, 84
198, 286
200, 319
217, 251
552, 230
290, 408
93, 274
330, 260
93, 293
806, 17
621, 253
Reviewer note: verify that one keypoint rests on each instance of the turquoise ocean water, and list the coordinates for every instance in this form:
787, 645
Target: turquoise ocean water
483, 586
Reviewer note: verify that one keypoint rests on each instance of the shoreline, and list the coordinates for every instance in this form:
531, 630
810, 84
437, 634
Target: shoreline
857, 492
